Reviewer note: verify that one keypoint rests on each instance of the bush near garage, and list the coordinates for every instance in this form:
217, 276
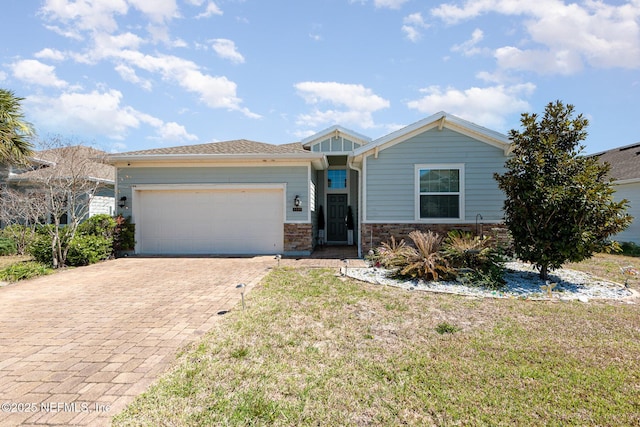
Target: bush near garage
7, 246
124, 235
22, 235
92, 243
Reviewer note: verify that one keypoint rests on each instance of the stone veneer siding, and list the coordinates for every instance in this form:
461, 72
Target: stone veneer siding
373, 235
298, 239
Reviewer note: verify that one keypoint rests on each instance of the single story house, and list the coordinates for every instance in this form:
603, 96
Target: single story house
625, 170
246, 197
68, 163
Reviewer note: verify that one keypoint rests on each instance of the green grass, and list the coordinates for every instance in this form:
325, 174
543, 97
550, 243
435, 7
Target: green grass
314, 349
24, 270
7, 260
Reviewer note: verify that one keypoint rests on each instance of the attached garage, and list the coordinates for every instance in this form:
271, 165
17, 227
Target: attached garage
222, 219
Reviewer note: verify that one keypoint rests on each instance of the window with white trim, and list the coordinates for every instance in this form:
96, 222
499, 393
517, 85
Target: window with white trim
439, 191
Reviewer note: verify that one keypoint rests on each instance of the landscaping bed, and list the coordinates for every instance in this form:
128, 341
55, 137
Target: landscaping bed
521, 281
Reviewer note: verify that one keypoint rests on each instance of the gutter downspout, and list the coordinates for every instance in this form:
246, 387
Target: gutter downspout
351, 166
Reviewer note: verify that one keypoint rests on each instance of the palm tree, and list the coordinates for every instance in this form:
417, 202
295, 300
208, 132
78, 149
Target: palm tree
15, 132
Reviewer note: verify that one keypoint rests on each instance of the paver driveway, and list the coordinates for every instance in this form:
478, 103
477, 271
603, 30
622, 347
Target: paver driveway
77, 346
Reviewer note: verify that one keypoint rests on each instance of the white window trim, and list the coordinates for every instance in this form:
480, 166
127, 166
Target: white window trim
461, 193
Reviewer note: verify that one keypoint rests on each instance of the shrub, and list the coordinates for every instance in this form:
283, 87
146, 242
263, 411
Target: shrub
88, 249
24, 270
98, 225
425, 260
630, 249
391, 254
124, 234
40, 246
477, 261
83, 249
7, 246
22, 236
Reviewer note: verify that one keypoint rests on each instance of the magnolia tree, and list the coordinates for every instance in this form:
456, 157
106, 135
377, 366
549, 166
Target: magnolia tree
62, 188
559, 203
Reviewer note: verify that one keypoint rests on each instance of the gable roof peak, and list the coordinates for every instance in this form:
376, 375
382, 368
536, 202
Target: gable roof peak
439, 120
336, 130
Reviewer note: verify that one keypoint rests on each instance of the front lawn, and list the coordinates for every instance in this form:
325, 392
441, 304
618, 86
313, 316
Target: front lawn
316, 349
608, 267
14, 268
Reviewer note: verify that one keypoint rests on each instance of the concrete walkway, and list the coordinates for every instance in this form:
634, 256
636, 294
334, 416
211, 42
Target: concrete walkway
77, 347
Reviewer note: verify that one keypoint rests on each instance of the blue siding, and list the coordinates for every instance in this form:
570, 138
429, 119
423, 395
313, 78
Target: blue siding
631, 192
296, 178
390, 182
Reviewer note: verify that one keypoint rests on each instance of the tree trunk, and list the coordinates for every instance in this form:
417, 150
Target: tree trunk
54, 252
544, 271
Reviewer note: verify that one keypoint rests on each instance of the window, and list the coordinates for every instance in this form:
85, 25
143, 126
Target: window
440, 190
337, 179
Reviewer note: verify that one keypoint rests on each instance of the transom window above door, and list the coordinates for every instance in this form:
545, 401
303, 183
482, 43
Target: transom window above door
337, 179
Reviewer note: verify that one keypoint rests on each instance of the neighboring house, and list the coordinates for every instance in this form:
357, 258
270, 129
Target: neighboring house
245, 197
625, 170
67, 163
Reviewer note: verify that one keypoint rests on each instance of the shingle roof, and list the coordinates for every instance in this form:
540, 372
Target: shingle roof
624, 161
65, 159
239, 146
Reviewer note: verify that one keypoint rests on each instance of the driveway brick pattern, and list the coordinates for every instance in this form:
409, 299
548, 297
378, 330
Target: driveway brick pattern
77, 347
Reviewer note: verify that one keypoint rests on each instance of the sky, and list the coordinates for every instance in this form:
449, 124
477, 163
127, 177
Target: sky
124, 75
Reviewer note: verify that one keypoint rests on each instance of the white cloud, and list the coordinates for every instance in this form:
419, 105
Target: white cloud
565, 62
353, 103
567, 35
214, 91
226, 49
488, 106
157, 10
129, 74
469, 47
3, 75
84, 113
97, 20
389, 4
35, 72
212, 9
52, 54
98, 113
173, 132
95, 15
413, 25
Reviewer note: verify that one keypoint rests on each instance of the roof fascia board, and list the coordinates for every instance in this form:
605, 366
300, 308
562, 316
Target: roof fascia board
626, 181
114, 158
318, 163
18, 178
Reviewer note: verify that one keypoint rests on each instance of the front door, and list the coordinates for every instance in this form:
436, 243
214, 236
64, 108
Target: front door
336, 214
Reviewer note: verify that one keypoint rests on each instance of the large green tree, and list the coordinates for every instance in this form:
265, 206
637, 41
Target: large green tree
559, 203
15, 132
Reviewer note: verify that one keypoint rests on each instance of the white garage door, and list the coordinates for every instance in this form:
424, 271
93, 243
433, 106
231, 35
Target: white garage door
239, 221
